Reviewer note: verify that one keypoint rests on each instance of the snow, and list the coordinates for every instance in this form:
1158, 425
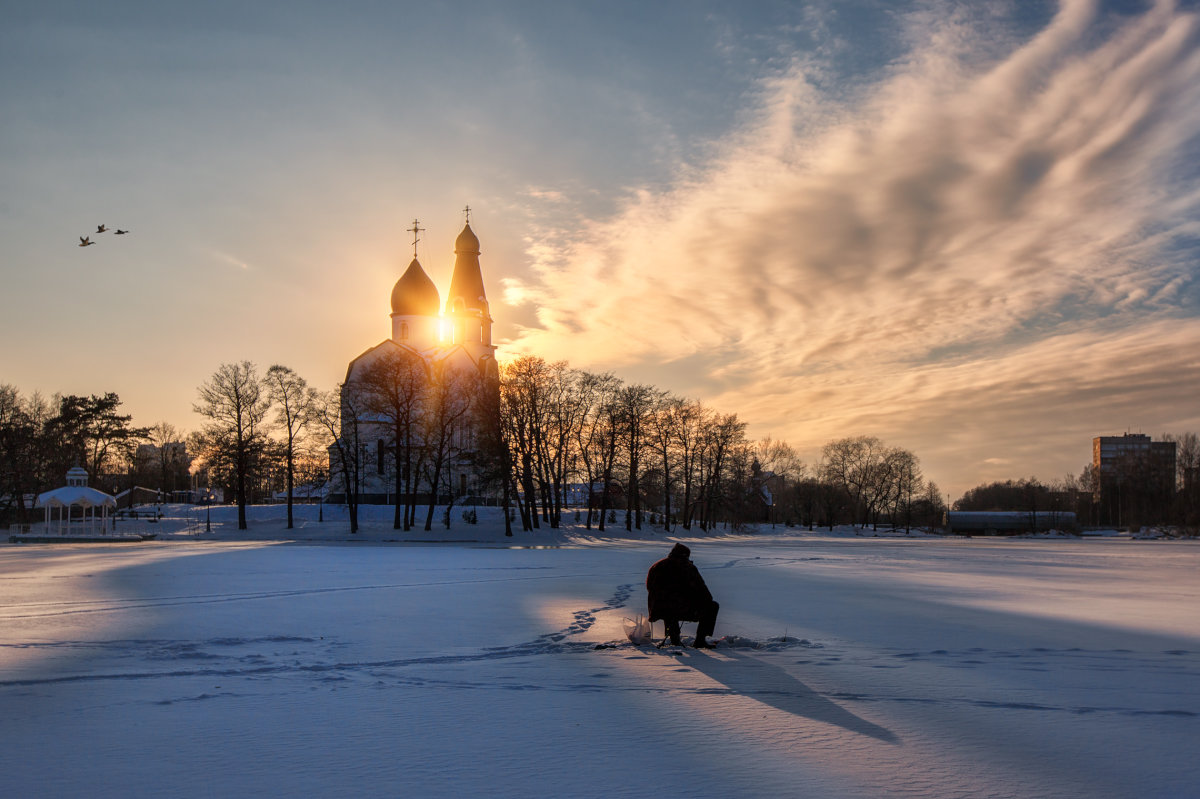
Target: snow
310, 662
75, 495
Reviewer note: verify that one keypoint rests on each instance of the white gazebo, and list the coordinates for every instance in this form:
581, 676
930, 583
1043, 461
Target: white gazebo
76, 493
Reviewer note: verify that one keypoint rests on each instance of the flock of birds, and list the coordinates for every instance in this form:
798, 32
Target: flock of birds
86, 241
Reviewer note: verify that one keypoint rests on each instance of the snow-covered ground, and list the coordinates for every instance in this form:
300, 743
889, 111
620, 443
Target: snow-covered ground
464, 663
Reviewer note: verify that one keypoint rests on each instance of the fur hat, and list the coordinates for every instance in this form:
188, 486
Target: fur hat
680, 551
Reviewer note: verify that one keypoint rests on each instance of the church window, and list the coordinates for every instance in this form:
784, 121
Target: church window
403, 331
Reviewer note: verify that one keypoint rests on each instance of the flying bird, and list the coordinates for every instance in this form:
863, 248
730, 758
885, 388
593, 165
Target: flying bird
119, 232
85, 241
100, 228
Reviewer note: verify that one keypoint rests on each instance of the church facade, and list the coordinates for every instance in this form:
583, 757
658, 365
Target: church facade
395, 392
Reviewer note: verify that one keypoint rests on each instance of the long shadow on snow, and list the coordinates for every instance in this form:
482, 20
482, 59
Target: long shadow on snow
771, 685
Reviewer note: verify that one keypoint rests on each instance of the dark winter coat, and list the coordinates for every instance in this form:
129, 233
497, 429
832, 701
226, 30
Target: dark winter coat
676, 591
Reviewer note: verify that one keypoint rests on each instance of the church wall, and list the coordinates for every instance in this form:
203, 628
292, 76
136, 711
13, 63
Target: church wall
418, 332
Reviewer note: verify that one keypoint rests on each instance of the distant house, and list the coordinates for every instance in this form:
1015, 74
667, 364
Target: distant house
138, 495
579, 494
166, 467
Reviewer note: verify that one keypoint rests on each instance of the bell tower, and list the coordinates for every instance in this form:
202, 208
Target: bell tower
467, 313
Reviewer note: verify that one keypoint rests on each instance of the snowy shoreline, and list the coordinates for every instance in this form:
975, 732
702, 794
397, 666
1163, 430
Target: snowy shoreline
268, 523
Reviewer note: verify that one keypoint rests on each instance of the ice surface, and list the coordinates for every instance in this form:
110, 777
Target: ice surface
240, 664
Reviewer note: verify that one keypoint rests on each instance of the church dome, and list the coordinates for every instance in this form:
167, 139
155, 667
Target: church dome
414, 293
466, 241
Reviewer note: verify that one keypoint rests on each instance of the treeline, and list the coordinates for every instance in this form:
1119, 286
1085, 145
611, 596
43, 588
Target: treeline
1136, 493
258, 436
41, 439
642, 454
244, 449
543, 440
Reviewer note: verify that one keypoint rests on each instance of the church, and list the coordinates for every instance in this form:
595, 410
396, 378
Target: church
437, 344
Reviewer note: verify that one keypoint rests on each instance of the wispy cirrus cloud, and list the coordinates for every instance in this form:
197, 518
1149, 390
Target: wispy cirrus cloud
966, 232
230, 260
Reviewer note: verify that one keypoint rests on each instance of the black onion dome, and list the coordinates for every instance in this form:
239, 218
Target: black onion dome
466, 281
414, 293
467, 242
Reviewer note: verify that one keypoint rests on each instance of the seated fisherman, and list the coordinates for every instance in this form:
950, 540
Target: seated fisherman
677, 593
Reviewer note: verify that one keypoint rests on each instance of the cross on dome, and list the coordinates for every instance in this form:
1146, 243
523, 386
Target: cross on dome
415, 230
467, 211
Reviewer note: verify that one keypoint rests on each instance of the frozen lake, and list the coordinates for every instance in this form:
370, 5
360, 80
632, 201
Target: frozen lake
851, 668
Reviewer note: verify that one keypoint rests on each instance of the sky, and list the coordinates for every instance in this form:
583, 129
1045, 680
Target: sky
971, 230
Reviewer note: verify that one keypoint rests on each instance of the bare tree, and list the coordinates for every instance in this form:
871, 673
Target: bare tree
905, 482
929, 509
1185, 510
806, 501
160, 436
546, 407
523, 397
689, 422
340, 421
170, 458
669, 419
23, 454
609, 431
293, 413
236, 402
853, 464
720, 435
833, 498
312, 458
782, 470
451, 393
594, 438
568, 397
1187, 457
1188, 461
638, 404
395, 388
493, 456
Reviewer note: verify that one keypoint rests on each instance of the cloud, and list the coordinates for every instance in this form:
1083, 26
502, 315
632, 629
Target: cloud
988, 210
230, 260
545, 195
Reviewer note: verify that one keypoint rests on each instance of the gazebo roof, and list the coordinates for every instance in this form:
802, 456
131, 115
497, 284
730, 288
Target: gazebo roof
75, 495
